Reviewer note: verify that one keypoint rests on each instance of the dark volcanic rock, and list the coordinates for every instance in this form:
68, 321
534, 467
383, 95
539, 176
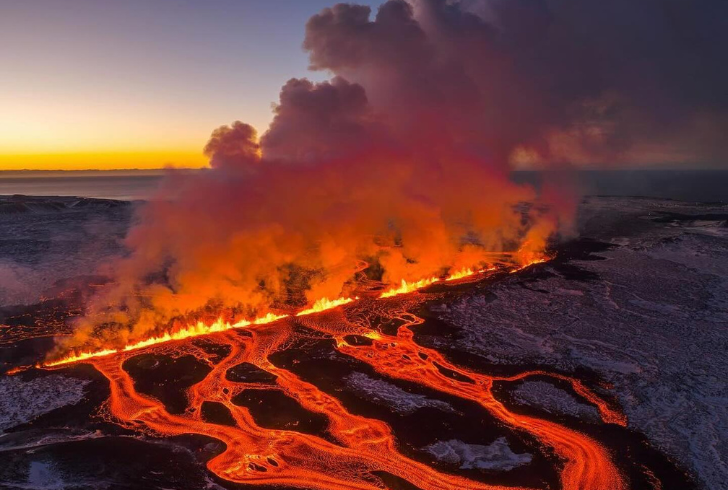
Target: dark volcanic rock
166, 378
249, 373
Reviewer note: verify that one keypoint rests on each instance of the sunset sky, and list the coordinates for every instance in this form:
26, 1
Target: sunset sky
90, 84
139, 83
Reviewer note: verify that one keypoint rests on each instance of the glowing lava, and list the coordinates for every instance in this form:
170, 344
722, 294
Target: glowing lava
408, 287
356, 447
194, 330
325, 304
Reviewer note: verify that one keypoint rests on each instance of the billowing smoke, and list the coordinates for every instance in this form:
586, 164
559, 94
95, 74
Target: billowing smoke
401, 161
553, 80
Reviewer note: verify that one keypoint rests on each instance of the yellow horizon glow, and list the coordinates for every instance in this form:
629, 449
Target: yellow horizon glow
48, 130
103, 160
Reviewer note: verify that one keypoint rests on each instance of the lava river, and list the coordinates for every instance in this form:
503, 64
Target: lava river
356, 448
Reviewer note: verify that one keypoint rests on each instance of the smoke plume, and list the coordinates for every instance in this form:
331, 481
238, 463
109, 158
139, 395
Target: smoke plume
401, 160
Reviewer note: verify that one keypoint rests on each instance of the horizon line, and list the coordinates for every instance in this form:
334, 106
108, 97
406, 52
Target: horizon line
578, 169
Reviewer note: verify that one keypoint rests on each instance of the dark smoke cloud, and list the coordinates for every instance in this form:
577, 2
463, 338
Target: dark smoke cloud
402, 159
556, 79
321, 121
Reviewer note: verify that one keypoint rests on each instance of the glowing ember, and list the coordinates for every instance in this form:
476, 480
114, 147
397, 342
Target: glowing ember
408, 287
325, 304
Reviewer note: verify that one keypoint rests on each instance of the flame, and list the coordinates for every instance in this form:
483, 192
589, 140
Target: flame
82, 356
535, 259
408, 287
200, 328
17, 370
461, 274
325, 304
320, 305
194, 330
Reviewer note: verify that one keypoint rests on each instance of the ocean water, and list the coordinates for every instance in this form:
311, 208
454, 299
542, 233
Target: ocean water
127, 185
683, 185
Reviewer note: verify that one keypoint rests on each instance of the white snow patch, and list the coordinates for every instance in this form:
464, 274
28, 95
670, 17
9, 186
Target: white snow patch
41, 475
383, 393
554, 400
495, 456
22, 401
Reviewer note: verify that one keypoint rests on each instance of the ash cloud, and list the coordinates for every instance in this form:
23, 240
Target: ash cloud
402, 159
558, 80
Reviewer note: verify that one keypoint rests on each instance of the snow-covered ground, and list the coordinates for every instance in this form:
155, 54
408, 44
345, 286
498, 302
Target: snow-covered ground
22, 401
384, 393
554, 400
47, 240
652, 318
495, 456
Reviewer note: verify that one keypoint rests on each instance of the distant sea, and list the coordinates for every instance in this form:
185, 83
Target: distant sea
684, 185
126, 185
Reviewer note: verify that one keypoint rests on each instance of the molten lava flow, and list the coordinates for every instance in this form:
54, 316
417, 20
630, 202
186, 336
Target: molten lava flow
588, 465
608, 414
355, 447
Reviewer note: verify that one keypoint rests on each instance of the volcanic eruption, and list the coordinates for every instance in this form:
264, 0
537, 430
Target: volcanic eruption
388, 178
386, 172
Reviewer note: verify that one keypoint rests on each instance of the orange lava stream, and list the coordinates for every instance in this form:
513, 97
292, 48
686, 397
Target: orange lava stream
608, 414
255, 455
356, 446
587, 466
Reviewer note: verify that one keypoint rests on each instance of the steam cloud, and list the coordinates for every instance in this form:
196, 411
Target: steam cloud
402, 158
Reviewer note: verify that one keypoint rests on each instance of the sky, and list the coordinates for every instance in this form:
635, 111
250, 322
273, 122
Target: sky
92, 84
139, 83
